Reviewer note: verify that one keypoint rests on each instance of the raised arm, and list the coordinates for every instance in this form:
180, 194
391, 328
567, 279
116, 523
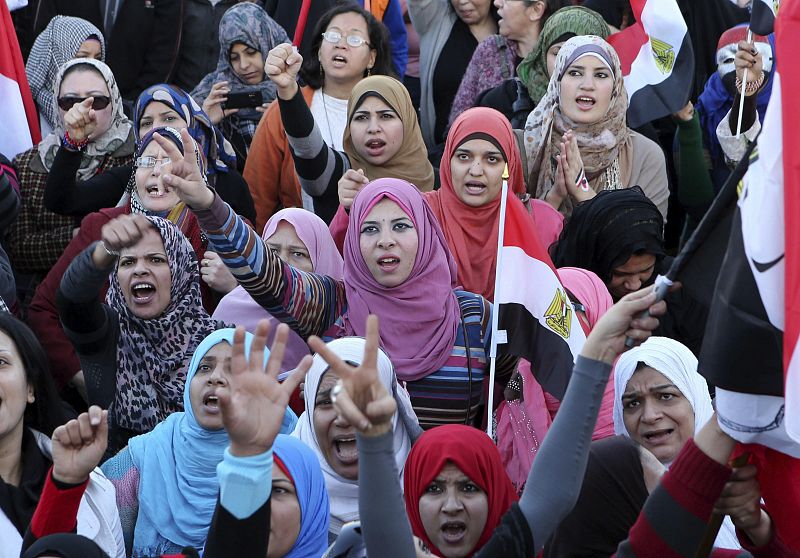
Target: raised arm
307, 302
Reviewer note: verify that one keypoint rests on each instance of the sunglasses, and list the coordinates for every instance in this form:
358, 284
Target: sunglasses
148, 162
335, 38
99, 103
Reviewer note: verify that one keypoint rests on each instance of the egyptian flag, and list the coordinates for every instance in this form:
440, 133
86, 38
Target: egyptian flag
657, 60
19, 125
762, 16
535, 318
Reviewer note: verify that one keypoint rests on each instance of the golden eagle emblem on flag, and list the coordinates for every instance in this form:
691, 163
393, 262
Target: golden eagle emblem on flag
664, 55
558, 315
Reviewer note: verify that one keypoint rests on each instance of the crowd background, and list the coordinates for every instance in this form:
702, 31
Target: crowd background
248, 269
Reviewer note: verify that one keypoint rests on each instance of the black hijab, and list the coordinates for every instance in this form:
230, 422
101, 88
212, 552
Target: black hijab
607, 230
19, 502
66, 545
612, 495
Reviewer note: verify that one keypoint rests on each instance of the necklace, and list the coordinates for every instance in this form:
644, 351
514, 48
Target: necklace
327, 120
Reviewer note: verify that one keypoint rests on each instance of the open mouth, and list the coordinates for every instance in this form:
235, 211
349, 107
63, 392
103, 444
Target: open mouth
346, 450
339, 60
388, 263
454, 531
658, 436
143, 292
211, 402
375, 146
157, 191
475, 188
585, 103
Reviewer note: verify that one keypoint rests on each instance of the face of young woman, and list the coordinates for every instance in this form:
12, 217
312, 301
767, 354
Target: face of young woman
477, 172
153, 193
630, 276
144, 276
453, 510
288, 246
88, 83
335, 436
472, 12
656, 414
377, 131
586, 90
247, 62
211, 377
285, 516
15, 392
552, 54
388, 242
341, 62
90, 48
157, 115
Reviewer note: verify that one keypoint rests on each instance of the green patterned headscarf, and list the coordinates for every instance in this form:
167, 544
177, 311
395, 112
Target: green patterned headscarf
572, 19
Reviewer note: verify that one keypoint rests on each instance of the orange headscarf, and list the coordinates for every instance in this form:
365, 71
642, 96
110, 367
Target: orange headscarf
471, 232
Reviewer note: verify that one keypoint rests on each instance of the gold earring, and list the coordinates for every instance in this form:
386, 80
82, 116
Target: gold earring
369, 72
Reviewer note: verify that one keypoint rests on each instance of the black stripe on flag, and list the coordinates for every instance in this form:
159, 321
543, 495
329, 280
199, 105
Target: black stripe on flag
662, 99
741, 349
762, 17
549, 354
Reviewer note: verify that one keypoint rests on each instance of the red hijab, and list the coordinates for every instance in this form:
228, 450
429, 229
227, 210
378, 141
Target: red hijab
473, 452
471, 232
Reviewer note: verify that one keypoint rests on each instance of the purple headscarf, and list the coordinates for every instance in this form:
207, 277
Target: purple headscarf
238, 306
420, 317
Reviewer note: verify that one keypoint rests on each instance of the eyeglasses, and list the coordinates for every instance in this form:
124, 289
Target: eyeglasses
99, 103
352, 40
150, 162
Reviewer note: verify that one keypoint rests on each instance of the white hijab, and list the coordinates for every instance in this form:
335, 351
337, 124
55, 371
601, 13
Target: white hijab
679, 365
342, 492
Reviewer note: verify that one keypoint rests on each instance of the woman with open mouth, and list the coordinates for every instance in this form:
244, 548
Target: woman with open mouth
662, 401
135, 350
246, 35
381, 138
577, 139
348, 45
166, 480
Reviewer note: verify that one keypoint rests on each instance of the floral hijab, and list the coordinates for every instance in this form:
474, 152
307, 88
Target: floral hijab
116, 141
605, 145
249, 24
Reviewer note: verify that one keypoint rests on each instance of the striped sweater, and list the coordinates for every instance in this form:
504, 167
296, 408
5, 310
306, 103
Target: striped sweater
314, 304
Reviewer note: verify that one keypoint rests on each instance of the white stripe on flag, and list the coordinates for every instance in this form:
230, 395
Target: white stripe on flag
792, 393
15, 137
532, 283
663, 22
755, 419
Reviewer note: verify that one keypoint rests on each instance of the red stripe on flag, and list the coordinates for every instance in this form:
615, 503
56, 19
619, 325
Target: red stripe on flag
12, 66
521, 232
628, 43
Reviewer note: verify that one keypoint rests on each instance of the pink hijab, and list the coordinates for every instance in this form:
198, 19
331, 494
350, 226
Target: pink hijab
239, 308
420, 317
590, 290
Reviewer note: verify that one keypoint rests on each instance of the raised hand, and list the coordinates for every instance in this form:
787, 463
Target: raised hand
282, 66
748, 57
212, 106
184, 174
79, 445
216, 274
122, 232
607, 339
349, 185
254, 405
686, 113
81, 120
362, 399
571, 166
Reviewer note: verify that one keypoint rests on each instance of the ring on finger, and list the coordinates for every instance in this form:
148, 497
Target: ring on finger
204, 262
335, 391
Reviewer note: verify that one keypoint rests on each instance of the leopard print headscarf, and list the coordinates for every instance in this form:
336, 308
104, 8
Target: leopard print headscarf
153, 355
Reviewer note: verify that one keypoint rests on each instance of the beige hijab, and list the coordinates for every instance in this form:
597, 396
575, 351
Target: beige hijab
411, 161
605, 145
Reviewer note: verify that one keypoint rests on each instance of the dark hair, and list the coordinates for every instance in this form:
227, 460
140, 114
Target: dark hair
493, 9
47, 412
311, 71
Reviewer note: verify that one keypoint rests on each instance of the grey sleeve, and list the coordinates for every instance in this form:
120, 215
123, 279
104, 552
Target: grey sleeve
555, 479
384, 524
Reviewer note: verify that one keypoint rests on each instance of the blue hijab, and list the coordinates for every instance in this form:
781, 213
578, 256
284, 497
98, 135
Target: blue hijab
218, 152
177, 463
309, 483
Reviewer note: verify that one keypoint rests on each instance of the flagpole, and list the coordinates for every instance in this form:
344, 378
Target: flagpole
496, 308
744, 88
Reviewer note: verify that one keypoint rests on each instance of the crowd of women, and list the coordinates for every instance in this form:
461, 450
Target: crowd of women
266, 329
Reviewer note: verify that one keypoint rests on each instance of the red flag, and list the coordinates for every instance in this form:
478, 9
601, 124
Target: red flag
657, 60
18, 118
